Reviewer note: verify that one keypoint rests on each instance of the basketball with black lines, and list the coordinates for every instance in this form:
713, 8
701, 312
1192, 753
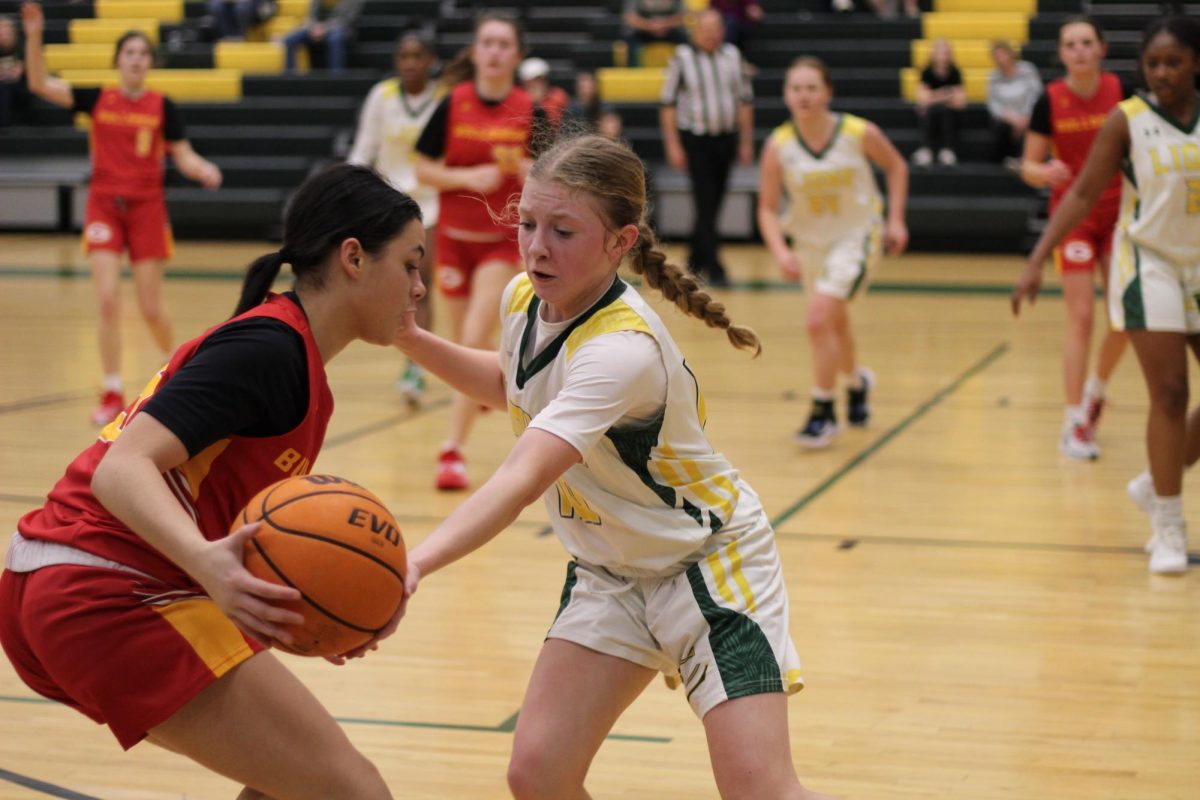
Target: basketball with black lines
337, 543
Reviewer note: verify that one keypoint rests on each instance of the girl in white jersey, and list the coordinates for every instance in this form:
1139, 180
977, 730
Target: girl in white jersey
674, 567
393, 116
822, 161
1154, 285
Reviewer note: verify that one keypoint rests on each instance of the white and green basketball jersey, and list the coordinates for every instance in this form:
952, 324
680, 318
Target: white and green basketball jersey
645, 497
1160, 201
831, 193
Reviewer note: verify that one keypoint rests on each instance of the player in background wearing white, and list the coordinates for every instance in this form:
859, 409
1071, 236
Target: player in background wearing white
822, 162
393, 116
1154, 288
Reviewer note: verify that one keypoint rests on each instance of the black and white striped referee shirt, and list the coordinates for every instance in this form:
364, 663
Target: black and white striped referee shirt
706, 89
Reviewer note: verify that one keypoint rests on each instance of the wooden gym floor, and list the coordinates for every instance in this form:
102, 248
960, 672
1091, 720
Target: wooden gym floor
974, 612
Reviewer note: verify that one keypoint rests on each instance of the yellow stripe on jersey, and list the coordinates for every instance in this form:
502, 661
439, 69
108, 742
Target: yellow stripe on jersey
853, 127
795, 681
518, 417
521, 297
783, 134
196, 468
617, 316
693, 480
1133, 107
718, 572
391, 88
739, 577
212, 635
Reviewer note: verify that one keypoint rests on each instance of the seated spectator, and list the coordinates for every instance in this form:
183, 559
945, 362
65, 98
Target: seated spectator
1013, 87
585, 107
649, 21
741, 18
534, 74
327, 29
234, 17
940, 101
884, 8
14, 93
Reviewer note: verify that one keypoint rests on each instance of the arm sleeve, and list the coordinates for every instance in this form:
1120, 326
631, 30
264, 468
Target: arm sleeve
172, 122
927, 77
84, 100
955, 76
1039, 119
671, 83
614, 379
994, 106
248, 379
366, 138
432, 142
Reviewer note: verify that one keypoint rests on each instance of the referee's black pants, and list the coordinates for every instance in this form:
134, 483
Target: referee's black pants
709, 160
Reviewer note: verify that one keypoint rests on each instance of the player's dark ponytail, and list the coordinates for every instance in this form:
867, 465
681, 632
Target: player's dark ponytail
339, 203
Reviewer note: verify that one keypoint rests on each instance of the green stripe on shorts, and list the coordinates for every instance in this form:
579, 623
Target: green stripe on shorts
744, 657
567, 587
1131, 300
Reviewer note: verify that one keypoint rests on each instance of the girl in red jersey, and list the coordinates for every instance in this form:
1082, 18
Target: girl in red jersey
132, 129
1065, 121
124, 596
476, 150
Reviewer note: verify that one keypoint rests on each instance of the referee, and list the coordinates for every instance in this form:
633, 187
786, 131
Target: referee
707, 119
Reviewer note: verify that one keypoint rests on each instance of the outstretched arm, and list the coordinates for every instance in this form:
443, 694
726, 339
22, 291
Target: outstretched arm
193, 165
55, 90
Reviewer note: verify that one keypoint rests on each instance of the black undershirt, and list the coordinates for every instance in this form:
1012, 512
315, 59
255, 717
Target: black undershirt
84, 100
249, 378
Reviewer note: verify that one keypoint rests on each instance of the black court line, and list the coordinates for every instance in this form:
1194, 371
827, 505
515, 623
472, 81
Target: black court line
46, 400
42, 786
921, 410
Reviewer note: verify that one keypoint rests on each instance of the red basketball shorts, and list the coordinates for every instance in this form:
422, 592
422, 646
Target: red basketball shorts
457, 261
121, 648
136, 224
1089, 243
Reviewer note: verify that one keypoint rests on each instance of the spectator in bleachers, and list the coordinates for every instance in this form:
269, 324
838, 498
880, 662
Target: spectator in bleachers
534, 74
707, 120
884, 8
941, 98
1013, 87
394, 114
610, 125
233, 18
585, 106
328, 29
649, 21
14, 93
741, 18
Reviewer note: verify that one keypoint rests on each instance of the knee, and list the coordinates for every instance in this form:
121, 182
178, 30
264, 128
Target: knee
532, 776
153, 312
1170, 397
110, 307
818, 323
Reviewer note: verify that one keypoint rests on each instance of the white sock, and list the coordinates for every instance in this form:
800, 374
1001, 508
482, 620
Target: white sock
854, 380
113, 383
1076, 415
1167, 510
822, 394
1095, 387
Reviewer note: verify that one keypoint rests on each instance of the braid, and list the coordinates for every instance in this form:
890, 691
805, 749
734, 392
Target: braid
682, 289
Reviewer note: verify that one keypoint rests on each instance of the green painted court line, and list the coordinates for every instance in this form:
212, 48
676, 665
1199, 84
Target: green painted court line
33, 784
969, 544
895, 430
507, 726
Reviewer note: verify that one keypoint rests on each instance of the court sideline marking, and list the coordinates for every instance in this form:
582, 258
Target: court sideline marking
42, 786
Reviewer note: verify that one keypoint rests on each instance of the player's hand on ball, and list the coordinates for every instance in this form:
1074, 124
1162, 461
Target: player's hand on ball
410, 587
245, 599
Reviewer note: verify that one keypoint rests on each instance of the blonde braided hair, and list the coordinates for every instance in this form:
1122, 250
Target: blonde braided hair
612, 175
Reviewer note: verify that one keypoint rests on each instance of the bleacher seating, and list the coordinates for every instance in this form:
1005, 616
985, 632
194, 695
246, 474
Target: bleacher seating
267, 130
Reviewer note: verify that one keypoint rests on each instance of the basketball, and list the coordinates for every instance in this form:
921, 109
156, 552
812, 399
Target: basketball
335, 542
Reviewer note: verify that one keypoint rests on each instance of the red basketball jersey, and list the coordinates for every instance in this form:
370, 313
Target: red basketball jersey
127, 144
1075, 121
485, 133
213, 486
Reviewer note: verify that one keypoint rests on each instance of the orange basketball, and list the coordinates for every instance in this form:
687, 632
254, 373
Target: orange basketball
335, 542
